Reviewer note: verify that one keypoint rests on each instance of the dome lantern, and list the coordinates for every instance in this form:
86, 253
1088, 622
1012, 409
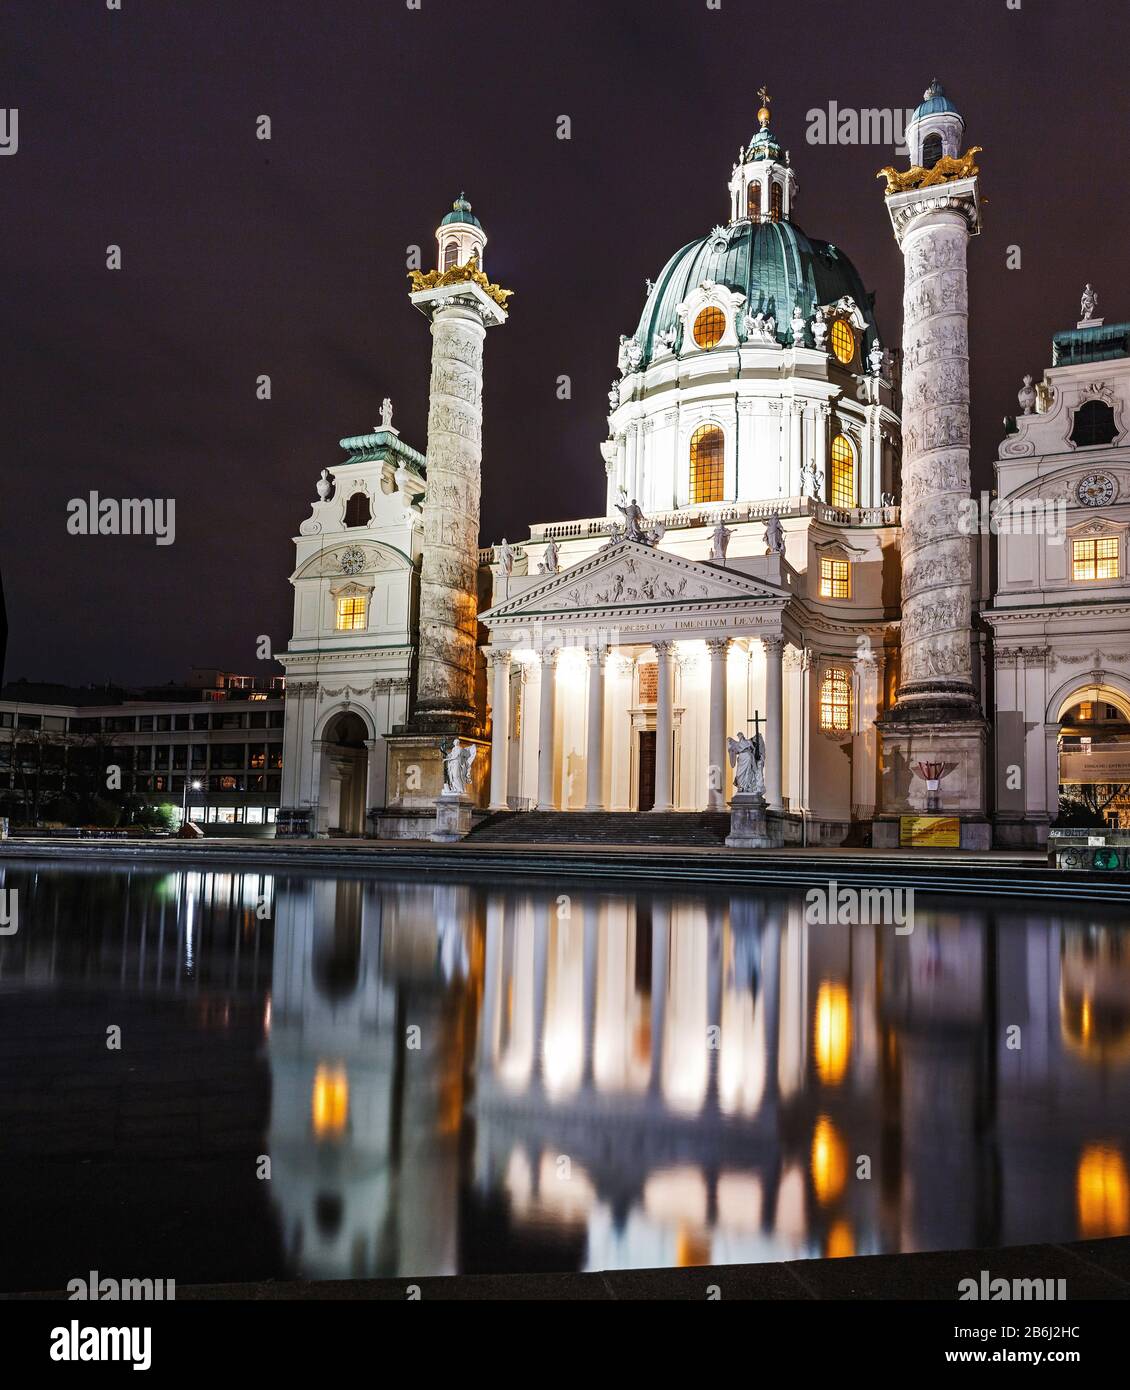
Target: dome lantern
935, 129
762, 184
459, 236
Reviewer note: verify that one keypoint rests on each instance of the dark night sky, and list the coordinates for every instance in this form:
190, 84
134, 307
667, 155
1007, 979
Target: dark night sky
244, 257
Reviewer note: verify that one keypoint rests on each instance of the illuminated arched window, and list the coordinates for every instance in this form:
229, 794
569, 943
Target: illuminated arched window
753, 201
931, 150
451, 254
709, 327
708, 451
843, 473
835, 700
775, 203
843, 341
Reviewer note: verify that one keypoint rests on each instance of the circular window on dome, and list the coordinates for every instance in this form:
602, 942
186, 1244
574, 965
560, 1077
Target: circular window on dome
709, 327
843, 341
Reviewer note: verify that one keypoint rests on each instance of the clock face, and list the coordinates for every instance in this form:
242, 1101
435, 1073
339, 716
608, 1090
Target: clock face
352, 561
1096, 490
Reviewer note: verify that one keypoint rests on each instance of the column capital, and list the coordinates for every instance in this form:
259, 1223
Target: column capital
718, 647
549, 657
597, 656
496, 657
662, 649
773, 646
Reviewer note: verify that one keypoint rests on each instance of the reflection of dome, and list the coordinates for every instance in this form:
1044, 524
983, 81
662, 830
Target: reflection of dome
772, 263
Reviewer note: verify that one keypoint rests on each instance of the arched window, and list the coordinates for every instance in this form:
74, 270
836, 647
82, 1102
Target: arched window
357, 512
753, 201
931, 150
843, 341
835, 701
842, 493
708, 453
451, 254
709, 327
775, 203
1094, 424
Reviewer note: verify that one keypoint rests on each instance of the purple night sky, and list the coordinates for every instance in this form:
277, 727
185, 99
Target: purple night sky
287, 257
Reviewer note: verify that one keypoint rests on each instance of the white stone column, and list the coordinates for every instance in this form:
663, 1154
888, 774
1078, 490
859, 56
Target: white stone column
374, 776
663, 728
594, 750
500, 729
547, 705
716, 773
445, 685
932, 227
773, 648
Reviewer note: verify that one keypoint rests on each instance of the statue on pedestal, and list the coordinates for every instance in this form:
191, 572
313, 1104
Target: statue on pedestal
720, 542
457, 759
747, 758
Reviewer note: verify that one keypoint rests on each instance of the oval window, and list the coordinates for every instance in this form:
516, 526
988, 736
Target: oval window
709, 327
843, 341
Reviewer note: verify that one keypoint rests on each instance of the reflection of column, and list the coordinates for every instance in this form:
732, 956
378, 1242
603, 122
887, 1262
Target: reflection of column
591, 917
660, 954
541, 966
500, 729
545, 729
714, 1001
663, 728
716, 779
774, 718
594, 755
492, 971
771, 999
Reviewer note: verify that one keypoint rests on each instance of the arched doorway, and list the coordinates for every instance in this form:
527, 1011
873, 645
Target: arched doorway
345, 767
1094, 758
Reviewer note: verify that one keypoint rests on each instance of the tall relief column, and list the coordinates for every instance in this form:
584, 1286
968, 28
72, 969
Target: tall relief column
462, 304
934, 209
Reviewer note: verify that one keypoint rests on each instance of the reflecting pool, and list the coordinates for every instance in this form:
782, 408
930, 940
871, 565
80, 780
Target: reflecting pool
226, 1076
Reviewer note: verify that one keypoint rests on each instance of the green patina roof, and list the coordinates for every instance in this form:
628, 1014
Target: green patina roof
461, 212
934, 99
772, 263
1097, 344
381, 445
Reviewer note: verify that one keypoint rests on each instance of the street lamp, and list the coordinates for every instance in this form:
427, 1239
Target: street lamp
184, 799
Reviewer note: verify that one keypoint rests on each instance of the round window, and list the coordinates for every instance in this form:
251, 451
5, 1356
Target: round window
843, 341
709, 327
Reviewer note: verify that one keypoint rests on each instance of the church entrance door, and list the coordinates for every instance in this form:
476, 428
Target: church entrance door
645, 782
344, 774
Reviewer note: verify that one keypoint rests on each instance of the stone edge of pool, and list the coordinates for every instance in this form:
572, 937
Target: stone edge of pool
1093, 1270
998, 873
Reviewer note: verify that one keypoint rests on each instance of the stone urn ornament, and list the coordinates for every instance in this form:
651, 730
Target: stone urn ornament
1027, 396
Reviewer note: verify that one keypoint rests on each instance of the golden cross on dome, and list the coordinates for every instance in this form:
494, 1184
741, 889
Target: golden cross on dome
764, 96
763, 114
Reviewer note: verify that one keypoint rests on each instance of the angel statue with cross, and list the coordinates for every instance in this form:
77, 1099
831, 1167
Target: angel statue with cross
747, 758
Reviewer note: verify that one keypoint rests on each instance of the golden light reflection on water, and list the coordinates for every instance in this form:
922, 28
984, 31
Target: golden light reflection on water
829, 1162
1102, 1193
831, 1031
329, 1105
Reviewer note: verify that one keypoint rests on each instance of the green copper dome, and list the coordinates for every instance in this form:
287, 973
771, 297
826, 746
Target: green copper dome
772, 263
934, 100
461, 212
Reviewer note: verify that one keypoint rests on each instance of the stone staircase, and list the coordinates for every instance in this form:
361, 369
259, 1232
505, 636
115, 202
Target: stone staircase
708, 828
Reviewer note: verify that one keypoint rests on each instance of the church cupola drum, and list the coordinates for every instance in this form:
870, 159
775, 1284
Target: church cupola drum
462, 304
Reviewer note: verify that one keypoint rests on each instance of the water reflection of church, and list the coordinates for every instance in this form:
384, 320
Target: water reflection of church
468, 1079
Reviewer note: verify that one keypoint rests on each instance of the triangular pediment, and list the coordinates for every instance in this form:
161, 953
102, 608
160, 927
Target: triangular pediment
629, 577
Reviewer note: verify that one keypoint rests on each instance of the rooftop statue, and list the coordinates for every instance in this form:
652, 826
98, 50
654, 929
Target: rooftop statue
945, 171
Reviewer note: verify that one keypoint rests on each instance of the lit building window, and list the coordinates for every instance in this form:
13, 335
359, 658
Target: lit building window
707, 464
351, 613
835, 578
1086, 711
1094, 559
450, 254
709, 327
843, 341
843, 473
775, 203
835, 701
753, 201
